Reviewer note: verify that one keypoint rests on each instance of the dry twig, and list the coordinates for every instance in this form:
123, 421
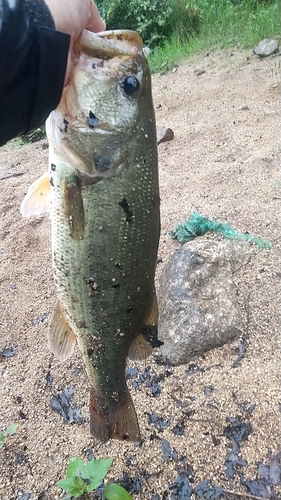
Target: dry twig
242, 265
7, 176
247, 495
242, 346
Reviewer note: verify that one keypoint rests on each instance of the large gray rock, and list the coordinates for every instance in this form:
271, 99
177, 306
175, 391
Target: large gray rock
197, 299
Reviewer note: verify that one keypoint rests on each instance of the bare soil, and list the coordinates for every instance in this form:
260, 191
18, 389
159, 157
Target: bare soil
224, 162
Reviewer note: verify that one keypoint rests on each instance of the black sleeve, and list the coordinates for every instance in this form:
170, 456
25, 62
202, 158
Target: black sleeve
33, 58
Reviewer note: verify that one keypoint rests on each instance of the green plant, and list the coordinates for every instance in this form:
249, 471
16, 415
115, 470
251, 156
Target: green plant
222, 24
175, 29
8, 432
35, 135
82, 478
154, 20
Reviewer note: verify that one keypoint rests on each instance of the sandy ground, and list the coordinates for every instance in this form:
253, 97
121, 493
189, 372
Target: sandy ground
224, 162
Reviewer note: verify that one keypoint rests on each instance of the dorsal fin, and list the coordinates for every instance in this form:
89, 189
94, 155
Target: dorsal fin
37, 198
61, 338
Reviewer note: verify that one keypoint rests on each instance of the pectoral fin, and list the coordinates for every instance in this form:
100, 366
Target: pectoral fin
73, 207
37, 199
61, 338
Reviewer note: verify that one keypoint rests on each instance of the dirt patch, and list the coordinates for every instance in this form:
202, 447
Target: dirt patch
223, 162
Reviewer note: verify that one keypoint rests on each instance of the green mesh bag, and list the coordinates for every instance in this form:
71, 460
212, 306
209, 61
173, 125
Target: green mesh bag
197, 225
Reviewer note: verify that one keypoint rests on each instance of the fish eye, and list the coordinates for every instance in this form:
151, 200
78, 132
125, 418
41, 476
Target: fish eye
130, 84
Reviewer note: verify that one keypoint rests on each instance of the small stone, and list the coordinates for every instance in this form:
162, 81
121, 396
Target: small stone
266, 47
164, 134
199, 72
25, 496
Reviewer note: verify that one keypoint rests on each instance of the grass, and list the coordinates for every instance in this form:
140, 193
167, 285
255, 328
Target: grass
223, 24
18, 142
13, 144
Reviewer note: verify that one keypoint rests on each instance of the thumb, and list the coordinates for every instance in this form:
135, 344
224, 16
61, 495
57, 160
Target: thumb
95, 22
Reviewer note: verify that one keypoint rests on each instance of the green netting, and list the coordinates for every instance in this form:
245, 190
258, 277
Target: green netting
197, 225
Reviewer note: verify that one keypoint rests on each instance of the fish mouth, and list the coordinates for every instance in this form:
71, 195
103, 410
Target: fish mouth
112, 43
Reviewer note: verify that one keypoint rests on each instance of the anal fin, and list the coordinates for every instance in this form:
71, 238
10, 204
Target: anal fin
61, 338
144, 342
152, 317
115, 418
140, 348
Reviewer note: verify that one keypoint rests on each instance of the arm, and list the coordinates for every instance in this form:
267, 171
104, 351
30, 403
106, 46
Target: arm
33, 58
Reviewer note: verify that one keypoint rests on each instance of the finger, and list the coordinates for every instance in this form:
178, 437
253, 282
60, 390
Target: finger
95, 22
68, 69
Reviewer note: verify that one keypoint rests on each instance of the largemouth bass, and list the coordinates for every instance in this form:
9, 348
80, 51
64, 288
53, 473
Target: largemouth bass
102, 188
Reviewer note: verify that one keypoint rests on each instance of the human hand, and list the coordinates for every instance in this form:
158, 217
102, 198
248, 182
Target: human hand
72, 17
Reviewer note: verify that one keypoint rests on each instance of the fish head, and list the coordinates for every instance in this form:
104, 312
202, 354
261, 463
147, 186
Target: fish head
106, 106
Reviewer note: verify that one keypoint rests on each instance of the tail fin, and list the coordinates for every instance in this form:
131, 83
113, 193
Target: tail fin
114, 418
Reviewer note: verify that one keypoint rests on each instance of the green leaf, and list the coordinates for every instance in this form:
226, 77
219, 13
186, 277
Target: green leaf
79, 483
86, 472
12, 428
92, 486
114, 491
96, 470
66, 484
75, 467
76, 492
72, 485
